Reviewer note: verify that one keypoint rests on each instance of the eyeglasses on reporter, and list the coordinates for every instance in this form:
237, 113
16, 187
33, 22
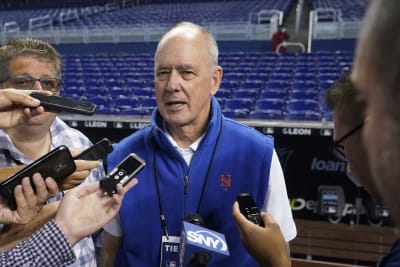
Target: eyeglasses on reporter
337, 148
25, 82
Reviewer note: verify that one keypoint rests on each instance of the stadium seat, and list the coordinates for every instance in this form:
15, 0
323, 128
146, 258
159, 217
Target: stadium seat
125, 102
267, 94
327, 116
143, 92
236, 113
276, 84
223, 93
300, 105
100, 101
245, 93
148, 102
303, 115
239, 104
252, 85
270, 104
303, 85
268, 114
134, 111
303, 94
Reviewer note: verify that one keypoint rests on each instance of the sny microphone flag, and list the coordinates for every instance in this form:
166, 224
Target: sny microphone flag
203, 242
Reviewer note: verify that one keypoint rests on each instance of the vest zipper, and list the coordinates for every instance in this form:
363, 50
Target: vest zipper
186, 184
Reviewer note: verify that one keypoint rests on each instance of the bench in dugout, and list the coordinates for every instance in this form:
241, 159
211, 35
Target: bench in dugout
339, 243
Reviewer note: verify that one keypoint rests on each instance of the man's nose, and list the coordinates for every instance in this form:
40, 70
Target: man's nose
37, 85
173, 80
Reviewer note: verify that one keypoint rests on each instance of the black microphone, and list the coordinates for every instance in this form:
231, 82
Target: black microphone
200, 246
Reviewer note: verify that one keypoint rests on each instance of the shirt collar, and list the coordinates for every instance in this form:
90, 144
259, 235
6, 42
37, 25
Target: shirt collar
192, 146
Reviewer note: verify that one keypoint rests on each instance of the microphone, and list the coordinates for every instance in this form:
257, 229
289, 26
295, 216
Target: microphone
200, 246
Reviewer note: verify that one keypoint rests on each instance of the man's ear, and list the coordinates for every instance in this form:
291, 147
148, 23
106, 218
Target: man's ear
216, 80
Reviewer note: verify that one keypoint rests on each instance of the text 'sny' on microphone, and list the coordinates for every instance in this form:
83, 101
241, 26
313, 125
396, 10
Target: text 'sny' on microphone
199, 245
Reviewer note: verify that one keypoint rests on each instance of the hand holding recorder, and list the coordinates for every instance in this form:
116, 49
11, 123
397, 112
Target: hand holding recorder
265, 244
16, 106
95, 204
57, 164
86, 161
27, 200
86, 206
122, 173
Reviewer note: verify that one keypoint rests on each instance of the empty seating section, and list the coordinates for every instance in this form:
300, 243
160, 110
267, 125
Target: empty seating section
116, 83
198, 12
337, 19
115, 14
350, 10
255, 85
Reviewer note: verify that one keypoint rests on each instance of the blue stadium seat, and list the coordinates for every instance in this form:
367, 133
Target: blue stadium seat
135, 83
276, 84
233, 76
125, 102
134, 111
327, 116
252, 85
107, 110
143, 92
266, 94
268, 114
93, 92
229, 84
245, 93
270, 104
303, 85
224, 93
100, 101
304, 77
117, 91
298, 105
236, 113
242, 103
283, 76
71, 90
148, 102
325, 84
303, 94
303, 115
257, 75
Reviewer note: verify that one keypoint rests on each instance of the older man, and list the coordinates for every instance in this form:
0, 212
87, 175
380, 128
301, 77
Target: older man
198, 161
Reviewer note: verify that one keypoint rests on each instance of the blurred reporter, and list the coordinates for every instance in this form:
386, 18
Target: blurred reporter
82, 211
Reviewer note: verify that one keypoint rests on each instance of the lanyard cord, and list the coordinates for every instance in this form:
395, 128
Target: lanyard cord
163, 219
203, 189
162, 216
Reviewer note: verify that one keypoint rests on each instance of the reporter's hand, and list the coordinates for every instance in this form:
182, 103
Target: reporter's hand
16, 107
83, 168
85, 209
266, 245
28, 202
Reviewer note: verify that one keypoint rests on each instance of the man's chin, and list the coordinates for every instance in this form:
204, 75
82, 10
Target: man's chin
40, 119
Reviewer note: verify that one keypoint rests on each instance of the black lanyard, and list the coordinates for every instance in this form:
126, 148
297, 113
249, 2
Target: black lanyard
163, 219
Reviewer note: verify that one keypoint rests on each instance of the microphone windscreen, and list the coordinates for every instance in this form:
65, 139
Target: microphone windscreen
199, 245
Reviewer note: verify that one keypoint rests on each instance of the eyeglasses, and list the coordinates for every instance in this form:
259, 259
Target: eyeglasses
338, 149
27, 83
